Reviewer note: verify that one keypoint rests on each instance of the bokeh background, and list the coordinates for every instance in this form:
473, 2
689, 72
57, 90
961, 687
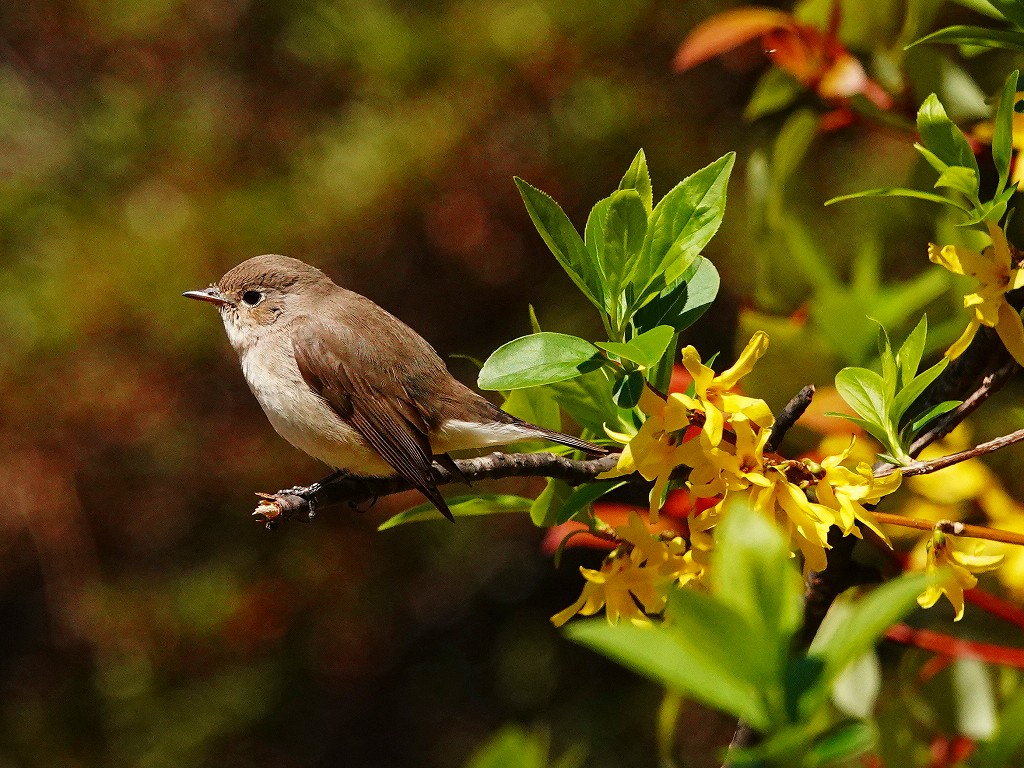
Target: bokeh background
146, 146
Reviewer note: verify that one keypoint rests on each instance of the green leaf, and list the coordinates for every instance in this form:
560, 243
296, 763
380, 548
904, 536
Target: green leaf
842, 744
536, 405
753, 573
624, 229
694, 665
627, 389
1002, 140
593, 232
647, 349
963, 180
909, 356
588, 399
890, 371
902, 402
680, 226
868, 620
940, 135
933, 413
540, 358
462, 506
973, 699
584, 496
775, 91
965, 34
864, 391
545, 508
901, 192
638, 178
681, 304
877, 431
564, 241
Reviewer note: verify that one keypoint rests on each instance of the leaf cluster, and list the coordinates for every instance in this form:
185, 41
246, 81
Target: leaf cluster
948, 151
884, 401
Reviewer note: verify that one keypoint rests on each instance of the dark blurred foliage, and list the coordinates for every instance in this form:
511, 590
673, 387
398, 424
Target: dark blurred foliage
148, 145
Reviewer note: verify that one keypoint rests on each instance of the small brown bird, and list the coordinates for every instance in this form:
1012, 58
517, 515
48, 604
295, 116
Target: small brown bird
349, 383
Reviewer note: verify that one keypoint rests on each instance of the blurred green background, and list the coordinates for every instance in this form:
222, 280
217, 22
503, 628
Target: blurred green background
146, 146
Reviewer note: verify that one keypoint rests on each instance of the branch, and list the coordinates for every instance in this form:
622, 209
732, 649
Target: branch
934, 465
352, 490
788, 416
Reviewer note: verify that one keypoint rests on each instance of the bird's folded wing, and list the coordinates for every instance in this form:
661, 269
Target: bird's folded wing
368, 397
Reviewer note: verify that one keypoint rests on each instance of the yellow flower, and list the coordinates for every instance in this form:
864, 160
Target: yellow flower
630, 585
732, 467
846, 491
996, 273
657, 448
953, 571
713, 392
806, 523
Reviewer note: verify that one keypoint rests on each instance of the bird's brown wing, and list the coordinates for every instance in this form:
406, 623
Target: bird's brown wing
365, 390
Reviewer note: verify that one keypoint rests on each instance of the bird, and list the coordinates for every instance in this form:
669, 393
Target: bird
349, 383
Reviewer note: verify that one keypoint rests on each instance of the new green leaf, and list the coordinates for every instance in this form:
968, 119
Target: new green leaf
540, 358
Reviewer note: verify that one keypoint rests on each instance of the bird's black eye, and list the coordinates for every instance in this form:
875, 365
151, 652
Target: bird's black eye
252, 298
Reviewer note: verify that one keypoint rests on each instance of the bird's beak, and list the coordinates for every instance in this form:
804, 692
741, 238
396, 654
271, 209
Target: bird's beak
211, 294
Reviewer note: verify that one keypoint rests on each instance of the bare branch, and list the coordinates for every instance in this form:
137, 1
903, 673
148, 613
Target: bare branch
353, 490
934, 465
788, 416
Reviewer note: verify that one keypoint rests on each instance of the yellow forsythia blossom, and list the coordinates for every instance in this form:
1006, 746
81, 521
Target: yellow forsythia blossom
953, 572
996, 272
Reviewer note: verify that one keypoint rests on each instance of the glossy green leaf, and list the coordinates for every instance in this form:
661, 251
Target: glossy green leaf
536, 405
637, 177
584, 496
540, 358
625, 226
628, 388
564, 241
940, 135
901, 192
1002, 140
864, 391
647, 349
905, 399
1012, 11
681, 304
476, 505
680, 225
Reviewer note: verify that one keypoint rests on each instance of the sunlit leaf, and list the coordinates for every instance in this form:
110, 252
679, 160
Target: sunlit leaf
540, 358
646, 349
964, 34
639, 178
1002, 139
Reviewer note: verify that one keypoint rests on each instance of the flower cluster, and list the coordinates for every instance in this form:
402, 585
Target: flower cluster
636, 574
719, 436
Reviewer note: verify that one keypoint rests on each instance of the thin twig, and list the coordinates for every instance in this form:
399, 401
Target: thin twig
934, 465
788, 416
952, 527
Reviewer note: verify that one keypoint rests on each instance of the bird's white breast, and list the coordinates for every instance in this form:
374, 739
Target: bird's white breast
301, 416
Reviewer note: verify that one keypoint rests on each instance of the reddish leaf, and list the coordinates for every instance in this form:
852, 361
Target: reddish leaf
726, 31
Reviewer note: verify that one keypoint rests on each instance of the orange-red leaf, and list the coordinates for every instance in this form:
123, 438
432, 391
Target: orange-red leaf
726, 31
